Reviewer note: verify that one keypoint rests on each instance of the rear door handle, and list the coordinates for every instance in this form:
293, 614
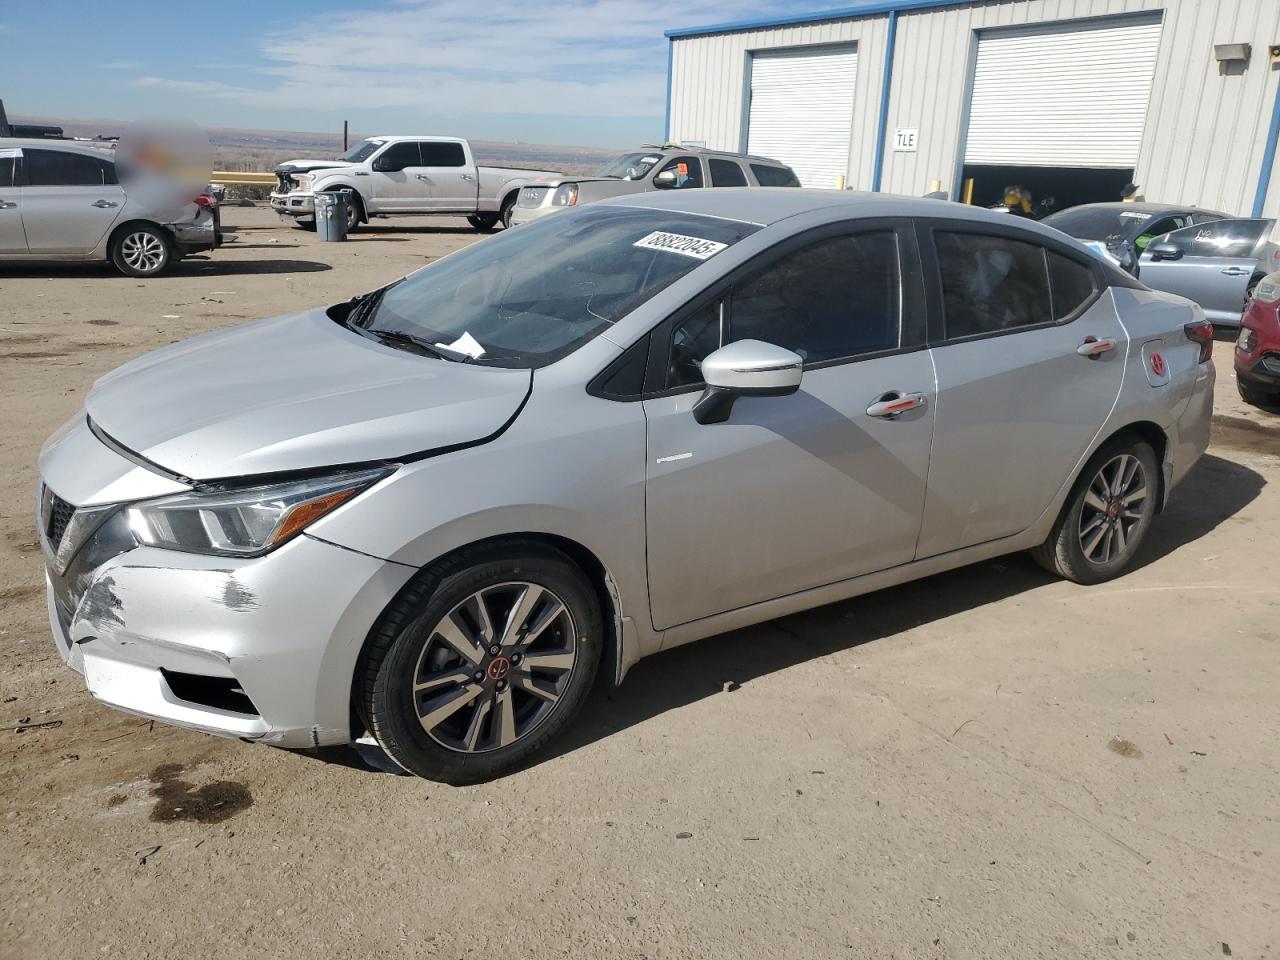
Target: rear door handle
8, 204
103, 204
1093, 347
893, 403
468, 177
424, 178
1236, 272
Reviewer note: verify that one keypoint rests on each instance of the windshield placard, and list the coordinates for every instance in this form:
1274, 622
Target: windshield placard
695, 247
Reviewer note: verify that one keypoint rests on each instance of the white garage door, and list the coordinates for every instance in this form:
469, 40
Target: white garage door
802, 110
1072, 98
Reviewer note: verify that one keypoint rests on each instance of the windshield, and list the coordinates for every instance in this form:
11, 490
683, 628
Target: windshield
361, 150
1098, 223
630, 166
529, 296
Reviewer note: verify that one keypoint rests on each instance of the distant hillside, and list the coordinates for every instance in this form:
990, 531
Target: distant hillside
237, 149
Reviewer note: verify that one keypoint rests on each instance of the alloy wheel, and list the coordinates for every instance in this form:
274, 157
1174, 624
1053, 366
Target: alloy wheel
494, 667
143, 251
1113, 509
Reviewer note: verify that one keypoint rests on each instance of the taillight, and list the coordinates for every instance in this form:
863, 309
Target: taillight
206, 201
1201, 332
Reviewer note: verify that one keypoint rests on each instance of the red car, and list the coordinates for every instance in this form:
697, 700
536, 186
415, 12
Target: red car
1258, 347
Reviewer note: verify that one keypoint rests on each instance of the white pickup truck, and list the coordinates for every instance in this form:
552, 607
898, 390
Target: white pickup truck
394, 176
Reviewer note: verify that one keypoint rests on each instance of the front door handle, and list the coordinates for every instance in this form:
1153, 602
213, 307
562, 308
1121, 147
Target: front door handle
103, 204
8, 204
1236, 272
468, 177
424, 178
893, 403
1094, 347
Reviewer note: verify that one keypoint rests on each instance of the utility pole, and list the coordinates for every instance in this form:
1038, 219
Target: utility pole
344, 136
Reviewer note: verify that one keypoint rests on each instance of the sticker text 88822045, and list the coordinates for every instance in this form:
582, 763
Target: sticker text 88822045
695, 247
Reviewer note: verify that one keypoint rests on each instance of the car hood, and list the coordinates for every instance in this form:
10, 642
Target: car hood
303, 166
295, 393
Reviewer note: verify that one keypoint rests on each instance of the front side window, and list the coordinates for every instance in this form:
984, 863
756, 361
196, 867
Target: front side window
630, 166
398, 156
527, 297
436, 153
726, 173
1221, 238
8, 168
837, 299
56, 168
991, 284
679, 173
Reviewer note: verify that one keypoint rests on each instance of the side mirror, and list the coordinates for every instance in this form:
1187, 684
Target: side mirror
665, 179
1164, 251
748, 368
386, 165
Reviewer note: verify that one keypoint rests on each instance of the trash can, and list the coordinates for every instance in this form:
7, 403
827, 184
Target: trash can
331, 214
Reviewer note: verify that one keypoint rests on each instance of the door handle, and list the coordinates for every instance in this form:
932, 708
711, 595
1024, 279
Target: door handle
1235, 272
423, 177
103, 204
893, 403
1093, 347
8, 204
468, 177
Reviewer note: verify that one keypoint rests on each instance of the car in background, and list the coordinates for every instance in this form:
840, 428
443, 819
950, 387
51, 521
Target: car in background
64, 200
403, 176
1218, 264
438, 511
1122, 231
669, 167
1257, 358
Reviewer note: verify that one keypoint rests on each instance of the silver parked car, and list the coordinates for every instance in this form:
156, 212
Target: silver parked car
1218, 264
436, 512
668, 167
62, 200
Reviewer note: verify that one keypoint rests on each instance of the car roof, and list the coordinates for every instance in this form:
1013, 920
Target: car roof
668, 148
1141, 207
767, 205
49, 143
394, 137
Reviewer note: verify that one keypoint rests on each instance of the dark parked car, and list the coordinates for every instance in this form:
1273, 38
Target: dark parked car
1258, 348
1122, 231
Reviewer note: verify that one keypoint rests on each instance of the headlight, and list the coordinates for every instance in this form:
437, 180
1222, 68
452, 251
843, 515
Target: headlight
566, 195
1268, 288
244, 521
303, 181
1247, 341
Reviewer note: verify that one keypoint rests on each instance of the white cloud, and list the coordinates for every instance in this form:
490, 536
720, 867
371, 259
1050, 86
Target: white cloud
122, 65
573, 58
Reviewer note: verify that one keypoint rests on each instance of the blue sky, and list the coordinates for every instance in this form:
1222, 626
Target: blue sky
587, 72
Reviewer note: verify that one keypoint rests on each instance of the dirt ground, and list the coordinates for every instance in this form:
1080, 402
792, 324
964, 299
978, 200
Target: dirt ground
988, 763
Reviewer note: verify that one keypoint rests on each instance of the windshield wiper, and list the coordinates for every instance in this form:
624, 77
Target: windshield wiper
361, 314
398, 338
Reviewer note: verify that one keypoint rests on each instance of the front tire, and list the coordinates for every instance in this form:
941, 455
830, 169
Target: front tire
484, 222
482, 661
1106, 516
504, 214
142, 250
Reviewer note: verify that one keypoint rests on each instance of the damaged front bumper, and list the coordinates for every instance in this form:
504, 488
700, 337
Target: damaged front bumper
262, 648
294, 204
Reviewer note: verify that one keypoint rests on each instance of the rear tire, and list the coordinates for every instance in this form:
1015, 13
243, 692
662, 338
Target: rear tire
483, 222
1257, 397
1107, 514
142, 250
437, 698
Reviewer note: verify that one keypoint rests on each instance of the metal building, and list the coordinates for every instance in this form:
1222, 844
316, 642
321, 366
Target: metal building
1072, 98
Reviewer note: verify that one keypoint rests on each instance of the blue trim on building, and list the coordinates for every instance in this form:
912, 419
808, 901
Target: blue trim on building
1268, 158
868, 8
882, 128
666, 123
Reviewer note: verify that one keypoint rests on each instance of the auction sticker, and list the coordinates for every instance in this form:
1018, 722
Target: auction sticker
694, 247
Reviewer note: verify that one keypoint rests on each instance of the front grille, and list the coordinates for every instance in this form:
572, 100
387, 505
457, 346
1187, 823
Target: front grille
284, 182
532, 196
1271, 363
57, 514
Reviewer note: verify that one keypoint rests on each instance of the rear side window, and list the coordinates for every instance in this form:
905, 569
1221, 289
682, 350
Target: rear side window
55, 168
438, 154
8, 168
726, 173
991, 284
768, 176
1072, 284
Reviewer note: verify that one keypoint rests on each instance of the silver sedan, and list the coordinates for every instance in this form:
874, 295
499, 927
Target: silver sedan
437, 513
